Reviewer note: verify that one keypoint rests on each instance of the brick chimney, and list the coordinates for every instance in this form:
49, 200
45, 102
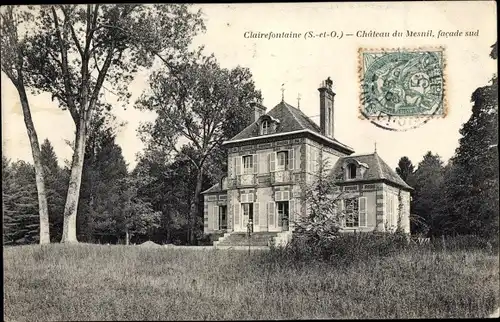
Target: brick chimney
258, 109
326, 97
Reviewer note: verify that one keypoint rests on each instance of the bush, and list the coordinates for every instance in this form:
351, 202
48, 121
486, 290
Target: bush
344, 248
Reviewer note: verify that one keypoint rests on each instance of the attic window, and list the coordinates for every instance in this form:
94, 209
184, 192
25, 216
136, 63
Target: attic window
265, 127
351, 171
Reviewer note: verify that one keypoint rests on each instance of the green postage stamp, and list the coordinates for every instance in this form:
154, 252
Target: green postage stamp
402, 88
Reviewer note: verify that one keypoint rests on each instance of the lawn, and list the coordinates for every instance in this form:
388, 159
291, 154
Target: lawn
99, 282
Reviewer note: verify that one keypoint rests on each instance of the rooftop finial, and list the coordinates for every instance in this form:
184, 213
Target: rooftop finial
375, 147
283, 92
298, 101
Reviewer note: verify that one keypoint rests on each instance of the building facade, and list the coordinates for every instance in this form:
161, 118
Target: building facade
271, 162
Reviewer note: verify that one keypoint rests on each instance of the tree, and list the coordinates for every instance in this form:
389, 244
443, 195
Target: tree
13, 63
472, 186
104, 169
198, 102
80, 49
428, 197
19, 201
321, 196
137, 215
405, 168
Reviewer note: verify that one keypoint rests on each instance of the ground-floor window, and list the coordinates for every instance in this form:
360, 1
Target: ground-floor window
222, 217
283, 213
351, 212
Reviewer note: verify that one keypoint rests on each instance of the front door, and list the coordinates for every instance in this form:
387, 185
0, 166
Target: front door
283, 214
247, 214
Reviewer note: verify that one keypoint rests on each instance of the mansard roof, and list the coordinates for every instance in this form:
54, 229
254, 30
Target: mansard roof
377, 170
291, 119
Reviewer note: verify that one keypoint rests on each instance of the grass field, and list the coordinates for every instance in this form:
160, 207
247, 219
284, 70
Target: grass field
92, 282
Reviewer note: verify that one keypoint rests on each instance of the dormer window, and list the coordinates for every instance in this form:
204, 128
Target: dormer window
351, 171
265, 127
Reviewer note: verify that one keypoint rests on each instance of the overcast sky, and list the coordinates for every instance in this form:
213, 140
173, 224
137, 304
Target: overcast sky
302, 64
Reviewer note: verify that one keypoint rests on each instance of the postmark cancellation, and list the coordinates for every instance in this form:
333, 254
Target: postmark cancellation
403, 88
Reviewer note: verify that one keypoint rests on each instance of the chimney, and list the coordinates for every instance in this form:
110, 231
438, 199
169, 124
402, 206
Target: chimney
326, 96
258, 110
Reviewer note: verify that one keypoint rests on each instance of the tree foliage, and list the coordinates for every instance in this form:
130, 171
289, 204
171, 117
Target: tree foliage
321, 197
197, 102
77, 50
405, 169
472, 186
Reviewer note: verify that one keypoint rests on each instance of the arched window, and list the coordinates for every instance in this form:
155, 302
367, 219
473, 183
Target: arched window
351, 171
265, 127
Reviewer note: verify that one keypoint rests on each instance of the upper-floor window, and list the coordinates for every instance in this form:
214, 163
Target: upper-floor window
282, 160
351, 171
265, 127
248, 164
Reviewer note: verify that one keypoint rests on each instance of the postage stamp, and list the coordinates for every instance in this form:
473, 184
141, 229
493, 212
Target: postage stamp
402, 89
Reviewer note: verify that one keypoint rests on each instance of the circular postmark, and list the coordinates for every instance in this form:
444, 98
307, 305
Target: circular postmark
401, 89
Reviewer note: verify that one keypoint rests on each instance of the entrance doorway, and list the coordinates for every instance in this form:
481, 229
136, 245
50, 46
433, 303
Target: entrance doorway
283, 214
247, 212
222, 217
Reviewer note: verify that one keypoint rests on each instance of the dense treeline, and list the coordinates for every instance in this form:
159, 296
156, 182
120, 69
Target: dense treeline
461, 197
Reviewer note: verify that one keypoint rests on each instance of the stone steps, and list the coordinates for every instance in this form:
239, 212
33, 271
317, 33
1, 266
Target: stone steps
240, 239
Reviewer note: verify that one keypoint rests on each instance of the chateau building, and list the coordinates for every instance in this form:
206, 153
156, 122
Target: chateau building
271, 161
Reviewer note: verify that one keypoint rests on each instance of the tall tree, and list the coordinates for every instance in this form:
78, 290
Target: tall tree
13, 48
198, 102
405, 168
472, 186
19, 198
80, 49
428, 197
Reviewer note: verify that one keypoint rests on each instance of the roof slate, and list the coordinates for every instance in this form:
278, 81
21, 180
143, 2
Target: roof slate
377, 170
290, 119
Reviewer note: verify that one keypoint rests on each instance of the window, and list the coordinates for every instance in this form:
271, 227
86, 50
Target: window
351, 171
283, 212
351, 212
265, 127
282, 161
223, 217
248, 164
355, 212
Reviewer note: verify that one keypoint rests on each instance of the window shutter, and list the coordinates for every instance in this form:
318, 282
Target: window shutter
362, 212
256, 213
210, 217
216, 217
272, 161
291, 159
291, 210
237, 165
255, 164
270, 213
236, 215
308, 158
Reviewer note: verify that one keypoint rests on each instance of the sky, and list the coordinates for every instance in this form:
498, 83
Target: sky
301, 64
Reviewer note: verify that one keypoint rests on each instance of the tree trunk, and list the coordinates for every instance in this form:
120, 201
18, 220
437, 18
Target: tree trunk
37, 160
127, 237
75, 180
195, 205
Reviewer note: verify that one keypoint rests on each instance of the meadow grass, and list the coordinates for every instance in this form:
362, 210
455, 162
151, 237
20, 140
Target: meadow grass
99, 282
